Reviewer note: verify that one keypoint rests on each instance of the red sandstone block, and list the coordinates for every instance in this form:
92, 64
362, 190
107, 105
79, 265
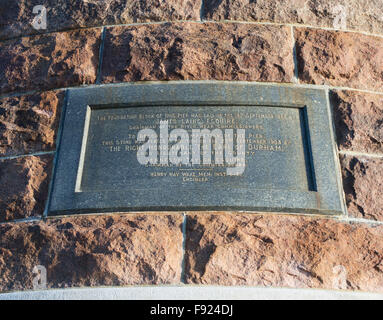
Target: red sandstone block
359, 121
29, 123
283, 251
340, 58
195, 51
24, 186
363, 186
16, 16
92, 251
49, 61
351, 14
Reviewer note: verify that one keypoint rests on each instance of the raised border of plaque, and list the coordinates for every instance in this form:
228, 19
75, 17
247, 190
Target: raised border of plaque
323, 197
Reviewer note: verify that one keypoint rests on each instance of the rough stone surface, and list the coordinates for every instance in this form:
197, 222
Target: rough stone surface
359, 121
283, 251
49, 61
363, 186
358, 15
340, 58
16, 17
29, 123
92, 251
195, 51
24, 188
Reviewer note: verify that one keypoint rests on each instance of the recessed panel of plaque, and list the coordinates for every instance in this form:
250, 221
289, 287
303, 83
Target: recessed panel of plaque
206, 146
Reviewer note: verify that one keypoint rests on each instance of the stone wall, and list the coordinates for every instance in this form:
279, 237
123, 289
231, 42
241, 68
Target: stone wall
301, 42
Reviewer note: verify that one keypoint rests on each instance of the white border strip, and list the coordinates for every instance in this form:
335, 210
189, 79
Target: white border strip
189, 293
